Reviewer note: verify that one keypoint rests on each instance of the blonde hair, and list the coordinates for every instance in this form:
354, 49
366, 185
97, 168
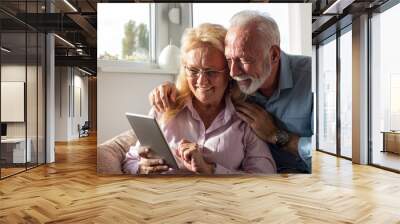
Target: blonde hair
206, 34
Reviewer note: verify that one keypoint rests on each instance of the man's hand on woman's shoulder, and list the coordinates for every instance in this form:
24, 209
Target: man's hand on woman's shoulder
163, 96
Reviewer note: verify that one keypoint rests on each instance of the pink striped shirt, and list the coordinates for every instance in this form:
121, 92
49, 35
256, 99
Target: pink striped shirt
229, 142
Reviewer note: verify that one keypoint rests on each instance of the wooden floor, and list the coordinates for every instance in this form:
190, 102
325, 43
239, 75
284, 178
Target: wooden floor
70, 191
10, 171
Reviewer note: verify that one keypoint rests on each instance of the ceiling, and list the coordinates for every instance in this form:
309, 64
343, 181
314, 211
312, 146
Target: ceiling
332, 15
76, 22
77, 25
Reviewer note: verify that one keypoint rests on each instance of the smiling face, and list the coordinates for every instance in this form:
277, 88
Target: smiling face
206, 89
248, 61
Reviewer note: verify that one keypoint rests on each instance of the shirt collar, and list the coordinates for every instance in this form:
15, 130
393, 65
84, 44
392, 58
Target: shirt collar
285, 73
228, 111
189, 106
285, 78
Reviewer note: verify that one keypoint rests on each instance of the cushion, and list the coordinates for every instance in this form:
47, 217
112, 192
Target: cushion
111, 153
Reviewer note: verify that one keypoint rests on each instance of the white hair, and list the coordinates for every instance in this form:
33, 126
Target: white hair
266, 25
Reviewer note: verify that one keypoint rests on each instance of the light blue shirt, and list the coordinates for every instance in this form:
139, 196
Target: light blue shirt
292, 107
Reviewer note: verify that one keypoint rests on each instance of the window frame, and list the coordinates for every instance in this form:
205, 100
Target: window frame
121, 65
334, 37
40, 36
329, 39
379, 10
342, 32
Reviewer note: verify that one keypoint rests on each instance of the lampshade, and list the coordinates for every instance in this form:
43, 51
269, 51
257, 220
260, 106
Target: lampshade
169, 58
174, 15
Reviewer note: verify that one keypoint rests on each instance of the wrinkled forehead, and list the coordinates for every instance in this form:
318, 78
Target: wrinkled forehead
236, 36
242, 40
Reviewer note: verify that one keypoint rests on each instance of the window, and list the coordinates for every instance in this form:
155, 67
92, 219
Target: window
22, 76
124, 32
394, 101
327, 97
385, 88
346, 94
333, 137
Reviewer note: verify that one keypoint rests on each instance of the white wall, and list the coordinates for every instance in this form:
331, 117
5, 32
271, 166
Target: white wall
66, 121
33, 126
121, 92
14, 73
300, 27
80, 82
61, 103
17, 73
293, 20
12, 101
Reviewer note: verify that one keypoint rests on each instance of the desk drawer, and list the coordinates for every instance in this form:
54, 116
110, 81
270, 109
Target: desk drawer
392, 142
6, 154
15, 152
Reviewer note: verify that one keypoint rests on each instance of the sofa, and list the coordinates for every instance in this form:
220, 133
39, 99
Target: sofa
111, 153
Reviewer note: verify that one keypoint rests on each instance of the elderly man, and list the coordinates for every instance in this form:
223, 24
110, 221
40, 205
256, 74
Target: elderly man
278, 84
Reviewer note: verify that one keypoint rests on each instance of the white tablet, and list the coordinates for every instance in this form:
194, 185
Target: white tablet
150, 135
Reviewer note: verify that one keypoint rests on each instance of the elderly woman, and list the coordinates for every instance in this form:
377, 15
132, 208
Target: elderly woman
202, 128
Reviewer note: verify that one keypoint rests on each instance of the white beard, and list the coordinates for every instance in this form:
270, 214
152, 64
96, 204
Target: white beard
254, 85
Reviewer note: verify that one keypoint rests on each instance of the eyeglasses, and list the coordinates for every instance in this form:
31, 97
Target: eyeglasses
195, 72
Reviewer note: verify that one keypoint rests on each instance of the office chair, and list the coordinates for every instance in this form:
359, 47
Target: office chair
84, 130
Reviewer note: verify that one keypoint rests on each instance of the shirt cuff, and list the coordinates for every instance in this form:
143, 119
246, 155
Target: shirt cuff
304, 148
131, 162
221, 170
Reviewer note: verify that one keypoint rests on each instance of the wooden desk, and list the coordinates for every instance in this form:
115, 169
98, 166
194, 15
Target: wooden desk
13, 150
391, 141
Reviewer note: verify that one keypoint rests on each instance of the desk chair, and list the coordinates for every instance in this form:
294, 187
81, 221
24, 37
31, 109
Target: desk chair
84, 130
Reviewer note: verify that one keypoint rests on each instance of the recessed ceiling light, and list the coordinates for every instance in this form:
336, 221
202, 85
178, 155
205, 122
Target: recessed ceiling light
5, 50
64, 40
338, 6
86, 72
70, 5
